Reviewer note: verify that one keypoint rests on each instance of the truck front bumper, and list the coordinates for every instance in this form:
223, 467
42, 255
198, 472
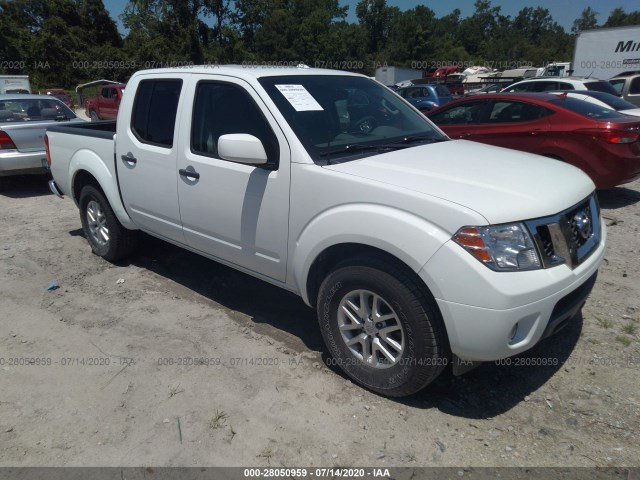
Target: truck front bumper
493, 315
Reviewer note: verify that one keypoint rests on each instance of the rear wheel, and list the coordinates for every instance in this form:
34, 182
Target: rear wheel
107, 237
381, 328
94, 116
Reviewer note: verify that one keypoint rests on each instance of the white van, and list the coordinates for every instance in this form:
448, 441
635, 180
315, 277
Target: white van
14, 84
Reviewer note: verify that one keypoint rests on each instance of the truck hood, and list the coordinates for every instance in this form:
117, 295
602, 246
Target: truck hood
500, 184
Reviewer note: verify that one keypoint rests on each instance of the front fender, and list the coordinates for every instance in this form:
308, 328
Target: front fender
90, 162
410, 238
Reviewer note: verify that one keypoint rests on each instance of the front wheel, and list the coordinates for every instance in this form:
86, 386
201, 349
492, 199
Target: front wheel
381, 328
107, 237
94, 116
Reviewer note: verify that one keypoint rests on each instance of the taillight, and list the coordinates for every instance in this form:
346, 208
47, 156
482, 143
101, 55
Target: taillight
613, 136
46, 149
5, 142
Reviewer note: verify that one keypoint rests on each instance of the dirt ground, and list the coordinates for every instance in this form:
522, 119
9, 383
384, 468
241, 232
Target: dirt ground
173, 360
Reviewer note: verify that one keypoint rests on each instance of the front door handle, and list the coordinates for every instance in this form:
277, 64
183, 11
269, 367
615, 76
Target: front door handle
129, 158
189, 173
536, 132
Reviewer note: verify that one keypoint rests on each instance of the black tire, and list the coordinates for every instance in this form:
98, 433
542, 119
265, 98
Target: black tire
426, 349
119, 242
94, 116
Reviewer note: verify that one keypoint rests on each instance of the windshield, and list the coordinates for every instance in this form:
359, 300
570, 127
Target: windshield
586, 109
336, 116
614, 102
617, 84
601, 87
33, 110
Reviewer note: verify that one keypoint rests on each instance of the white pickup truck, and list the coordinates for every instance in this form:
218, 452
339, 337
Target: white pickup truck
417, 251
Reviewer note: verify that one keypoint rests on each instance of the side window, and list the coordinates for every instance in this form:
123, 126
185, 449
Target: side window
634, 89
514, 112
425, 93
522, 87
105, 92
154, 111
221, 109
565, 86
459, 115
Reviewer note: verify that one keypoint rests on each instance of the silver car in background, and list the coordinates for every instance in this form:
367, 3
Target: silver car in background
23, 121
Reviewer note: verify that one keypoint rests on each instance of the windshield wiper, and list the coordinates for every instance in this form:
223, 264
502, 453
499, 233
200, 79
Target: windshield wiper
407, 141
404, 142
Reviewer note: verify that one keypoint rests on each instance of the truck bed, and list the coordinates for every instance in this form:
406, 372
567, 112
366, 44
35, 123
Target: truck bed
106, 129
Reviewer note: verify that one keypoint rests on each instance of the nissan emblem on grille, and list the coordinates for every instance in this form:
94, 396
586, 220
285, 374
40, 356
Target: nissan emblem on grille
582, 224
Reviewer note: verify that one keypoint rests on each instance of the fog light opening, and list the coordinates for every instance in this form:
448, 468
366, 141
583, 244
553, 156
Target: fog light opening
514, 332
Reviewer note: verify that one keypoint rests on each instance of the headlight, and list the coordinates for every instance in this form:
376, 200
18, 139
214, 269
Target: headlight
507, 247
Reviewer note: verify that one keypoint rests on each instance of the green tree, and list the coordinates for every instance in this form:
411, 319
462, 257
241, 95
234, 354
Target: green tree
588, 21
376, 18
619, 18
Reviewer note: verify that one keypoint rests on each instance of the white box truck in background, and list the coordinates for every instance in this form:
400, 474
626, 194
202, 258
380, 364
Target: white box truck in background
607, 52
14, 84
394, 75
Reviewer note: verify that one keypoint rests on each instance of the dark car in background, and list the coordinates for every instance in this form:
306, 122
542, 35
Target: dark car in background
425, 97
600, 141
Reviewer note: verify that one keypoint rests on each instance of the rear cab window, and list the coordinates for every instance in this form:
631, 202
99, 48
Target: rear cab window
154, 111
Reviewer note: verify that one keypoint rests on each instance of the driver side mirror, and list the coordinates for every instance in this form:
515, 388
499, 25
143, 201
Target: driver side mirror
242, 148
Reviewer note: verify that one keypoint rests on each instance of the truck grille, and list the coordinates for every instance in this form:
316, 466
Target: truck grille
570, 236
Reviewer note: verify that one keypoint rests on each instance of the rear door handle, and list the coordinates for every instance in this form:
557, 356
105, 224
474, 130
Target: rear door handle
465, 135
536, 132
129, 158
189, 173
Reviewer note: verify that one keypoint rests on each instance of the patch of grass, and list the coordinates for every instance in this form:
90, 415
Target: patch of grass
604, 322
267, 454
623, 340
173, 391
218, 421
630, 328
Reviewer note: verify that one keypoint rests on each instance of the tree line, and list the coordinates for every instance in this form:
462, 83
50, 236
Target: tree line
61, 43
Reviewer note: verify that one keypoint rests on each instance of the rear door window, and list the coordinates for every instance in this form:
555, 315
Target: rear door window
154, 111
507, 111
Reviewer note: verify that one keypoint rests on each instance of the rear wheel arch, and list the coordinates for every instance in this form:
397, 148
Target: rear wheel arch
81, 179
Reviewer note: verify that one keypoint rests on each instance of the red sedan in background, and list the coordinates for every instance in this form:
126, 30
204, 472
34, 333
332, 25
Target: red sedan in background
600, 141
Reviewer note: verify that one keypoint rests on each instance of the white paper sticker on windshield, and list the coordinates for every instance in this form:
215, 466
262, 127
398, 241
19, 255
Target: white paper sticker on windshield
299, 98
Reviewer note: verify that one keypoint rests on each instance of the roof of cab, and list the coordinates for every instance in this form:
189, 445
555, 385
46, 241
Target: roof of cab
252, 71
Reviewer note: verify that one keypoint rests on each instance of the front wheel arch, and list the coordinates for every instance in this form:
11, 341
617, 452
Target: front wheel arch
425, 351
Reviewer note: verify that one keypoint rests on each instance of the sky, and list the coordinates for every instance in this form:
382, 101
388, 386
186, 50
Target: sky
563, 11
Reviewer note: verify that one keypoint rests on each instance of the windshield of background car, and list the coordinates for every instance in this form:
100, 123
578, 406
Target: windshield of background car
618, 84
589, 110
337, 116
32, 110
601, 87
